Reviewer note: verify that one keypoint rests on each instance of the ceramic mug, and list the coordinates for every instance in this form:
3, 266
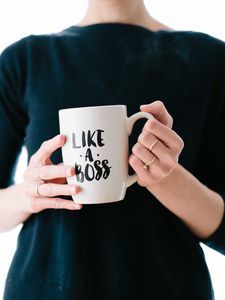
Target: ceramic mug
97, 147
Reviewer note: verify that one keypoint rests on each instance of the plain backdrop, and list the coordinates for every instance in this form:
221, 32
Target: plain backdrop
24, 17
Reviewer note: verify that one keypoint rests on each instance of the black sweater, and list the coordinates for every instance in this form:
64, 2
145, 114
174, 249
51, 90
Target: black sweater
135, 248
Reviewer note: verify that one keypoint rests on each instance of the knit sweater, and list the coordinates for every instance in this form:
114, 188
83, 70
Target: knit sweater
135, 248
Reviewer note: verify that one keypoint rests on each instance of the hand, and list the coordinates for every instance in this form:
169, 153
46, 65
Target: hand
152, 165
43, 180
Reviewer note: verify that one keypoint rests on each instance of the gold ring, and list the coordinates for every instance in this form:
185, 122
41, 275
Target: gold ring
147, 165
153, 144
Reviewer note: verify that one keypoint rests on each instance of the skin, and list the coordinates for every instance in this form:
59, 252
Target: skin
123, 11
199, 207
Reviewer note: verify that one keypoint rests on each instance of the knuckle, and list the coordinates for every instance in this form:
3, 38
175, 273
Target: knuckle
137, 148
159, 103
141, 182
133, 160
143, 137
171, 121
151, 124
181, 143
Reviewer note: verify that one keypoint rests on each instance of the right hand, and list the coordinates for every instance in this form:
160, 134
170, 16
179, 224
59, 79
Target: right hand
43, 180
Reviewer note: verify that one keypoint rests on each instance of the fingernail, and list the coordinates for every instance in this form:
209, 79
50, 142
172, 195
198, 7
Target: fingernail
75, 189
70, 171
77, 206
62, 137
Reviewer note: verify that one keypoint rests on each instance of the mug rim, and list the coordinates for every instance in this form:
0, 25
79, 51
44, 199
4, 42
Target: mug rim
94, 107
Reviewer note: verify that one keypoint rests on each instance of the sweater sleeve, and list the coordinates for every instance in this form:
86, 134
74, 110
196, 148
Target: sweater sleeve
13, 116
216, 181
210, 168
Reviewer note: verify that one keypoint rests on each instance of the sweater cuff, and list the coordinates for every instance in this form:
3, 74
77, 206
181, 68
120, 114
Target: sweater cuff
217, 240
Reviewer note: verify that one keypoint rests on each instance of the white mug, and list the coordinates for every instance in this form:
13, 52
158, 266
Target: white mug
97, 146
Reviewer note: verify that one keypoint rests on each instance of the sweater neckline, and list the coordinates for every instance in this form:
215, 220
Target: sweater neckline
113, 27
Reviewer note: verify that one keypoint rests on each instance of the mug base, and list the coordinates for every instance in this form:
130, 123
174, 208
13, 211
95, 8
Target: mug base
96, 202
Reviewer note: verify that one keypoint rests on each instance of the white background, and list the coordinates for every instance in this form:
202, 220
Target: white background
21, 18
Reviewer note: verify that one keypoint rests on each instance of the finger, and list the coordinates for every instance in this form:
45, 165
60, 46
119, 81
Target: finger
146, 138
159, 111
54, 171
165, 161
49, 172
144, 175
52, 189
47, 148
168, 136
58, 180
142, 153
39, 204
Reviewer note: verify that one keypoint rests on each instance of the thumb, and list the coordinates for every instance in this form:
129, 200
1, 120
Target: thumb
159, 111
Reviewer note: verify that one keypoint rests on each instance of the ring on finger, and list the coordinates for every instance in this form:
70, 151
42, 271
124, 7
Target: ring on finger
147, 165
153, 144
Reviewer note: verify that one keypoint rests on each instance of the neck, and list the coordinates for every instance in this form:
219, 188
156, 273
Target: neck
120, 11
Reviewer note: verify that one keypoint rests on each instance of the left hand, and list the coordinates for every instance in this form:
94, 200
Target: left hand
163, 157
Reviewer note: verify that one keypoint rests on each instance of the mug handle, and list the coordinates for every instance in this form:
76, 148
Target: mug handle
131, 179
